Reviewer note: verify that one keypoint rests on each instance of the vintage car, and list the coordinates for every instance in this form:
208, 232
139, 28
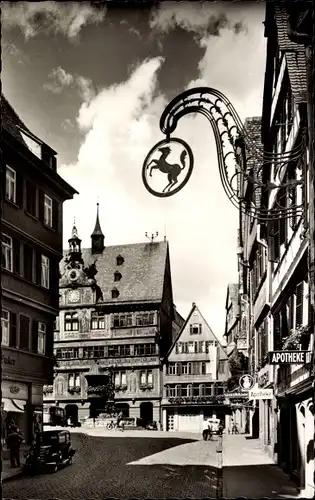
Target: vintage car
50, 451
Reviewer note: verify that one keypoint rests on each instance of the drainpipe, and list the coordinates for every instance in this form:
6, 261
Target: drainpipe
306, 40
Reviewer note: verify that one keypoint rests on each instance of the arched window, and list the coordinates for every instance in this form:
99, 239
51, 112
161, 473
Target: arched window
202, 390
167, 390
189, 390
178, 391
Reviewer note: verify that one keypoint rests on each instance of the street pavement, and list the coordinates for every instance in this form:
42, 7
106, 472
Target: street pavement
152, 464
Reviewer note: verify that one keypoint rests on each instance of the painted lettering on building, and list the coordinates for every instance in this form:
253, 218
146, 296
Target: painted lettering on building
289, 357
7, 360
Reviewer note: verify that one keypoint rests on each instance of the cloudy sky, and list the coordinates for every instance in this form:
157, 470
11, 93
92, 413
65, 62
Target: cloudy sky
92, 82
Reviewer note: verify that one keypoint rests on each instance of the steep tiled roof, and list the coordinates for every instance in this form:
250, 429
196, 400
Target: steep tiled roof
142, 271
10, 121
222, 351
294, 54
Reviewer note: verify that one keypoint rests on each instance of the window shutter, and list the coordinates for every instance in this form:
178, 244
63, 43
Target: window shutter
35, 336
55, 215
12, 341
50, 339
299, 304
273, 241
19, 189
16, 256
41, 205
38, 267
191, 328
276, 332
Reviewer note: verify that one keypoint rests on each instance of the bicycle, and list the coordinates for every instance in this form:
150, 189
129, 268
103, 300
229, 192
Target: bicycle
113, 425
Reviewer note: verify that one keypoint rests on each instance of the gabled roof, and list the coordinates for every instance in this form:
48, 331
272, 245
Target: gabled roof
294, 54
142, 272
223, 354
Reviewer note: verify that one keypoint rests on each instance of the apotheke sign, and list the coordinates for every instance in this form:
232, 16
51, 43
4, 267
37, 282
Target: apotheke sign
289, 357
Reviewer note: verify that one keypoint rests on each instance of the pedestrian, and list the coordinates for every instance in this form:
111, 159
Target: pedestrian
14, 441
205, 429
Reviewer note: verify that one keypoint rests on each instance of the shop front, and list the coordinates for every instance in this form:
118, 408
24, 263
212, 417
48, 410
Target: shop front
187, 414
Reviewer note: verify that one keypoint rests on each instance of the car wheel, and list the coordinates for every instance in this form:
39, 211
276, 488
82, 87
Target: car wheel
70, 461
55, 468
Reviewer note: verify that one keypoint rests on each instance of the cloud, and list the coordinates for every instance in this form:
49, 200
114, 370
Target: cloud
60, 79
199, 18
67, 18
121, 126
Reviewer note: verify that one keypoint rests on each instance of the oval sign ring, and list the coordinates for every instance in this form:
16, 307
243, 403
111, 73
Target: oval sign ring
167, 167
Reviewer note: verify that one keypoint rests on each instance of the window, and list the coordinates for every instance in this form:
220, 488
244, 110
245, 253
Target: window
221, 366
5, 327
195, 329
71, 381
144, 349
24, 332
113, 350
77, 380
10, 184
45, 272
41, 339
97, 321
6, 252
171, 369
184, 369
122, 320
67, 353
191, 347
115, 293
170, 391
146, 378
28, 262
117, 379
71, 322
31, 198
125, 350
124, 379
117, 276
47, 210
145, 319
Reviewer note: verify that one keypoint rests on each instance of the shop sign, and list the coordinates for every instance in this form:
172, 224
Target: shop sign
290, 357
14, 389
260, 394
8, 360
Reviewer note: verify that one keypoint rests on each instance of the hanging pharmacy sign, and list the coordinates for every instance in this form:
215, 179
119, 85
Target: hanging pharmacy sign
289, 357
257, 393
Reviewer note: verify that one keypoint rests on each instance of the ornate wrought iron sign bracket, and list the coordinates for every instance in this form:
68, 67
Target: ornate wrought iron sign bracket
242, 164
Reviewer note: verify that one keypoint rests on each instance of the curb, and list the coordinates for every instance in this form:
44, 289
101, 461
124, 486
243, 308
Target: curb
4, 479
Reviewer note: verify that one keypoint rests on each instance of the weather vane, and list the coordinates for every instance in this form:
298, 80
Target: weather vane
152, 237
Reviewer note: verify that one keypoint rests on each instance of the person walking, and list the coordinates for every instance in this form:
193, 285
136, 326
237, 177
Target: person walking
205, 429
14, 441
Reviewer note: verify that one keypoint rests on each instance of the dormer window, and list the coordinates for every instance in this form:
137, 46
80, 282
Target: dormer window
115, 293
120, 260
117, 276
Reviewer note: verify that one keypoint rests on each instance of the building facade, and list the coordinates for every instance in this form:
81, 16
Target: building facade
274, 254
116, 308
194, 376
31, 250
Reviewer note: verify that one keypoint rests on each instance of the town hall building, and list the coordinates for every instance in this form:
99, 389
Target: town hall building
116, 309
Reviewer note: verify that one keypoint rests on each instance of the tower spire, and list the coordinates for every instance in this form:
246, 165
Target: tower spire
97, 236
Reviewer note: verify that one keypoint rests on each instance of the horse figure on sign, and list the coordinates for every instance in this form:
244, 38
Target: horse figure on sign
171, 169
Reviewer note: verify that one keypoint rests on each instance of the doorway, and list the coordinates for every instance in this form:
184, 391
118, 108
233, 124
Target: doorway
72, 413
146, 413
124, 408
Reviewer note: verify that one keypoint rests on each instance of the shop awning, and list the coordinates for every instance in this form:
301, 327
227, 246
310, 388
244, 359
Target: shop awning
14, 405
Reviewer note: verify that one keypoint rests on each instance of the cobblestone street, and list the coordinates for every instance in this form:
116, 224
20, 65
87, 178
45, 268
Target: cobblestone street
156, 465
126, 467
